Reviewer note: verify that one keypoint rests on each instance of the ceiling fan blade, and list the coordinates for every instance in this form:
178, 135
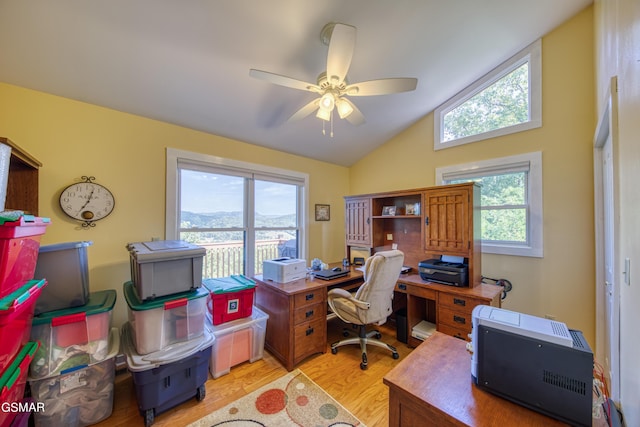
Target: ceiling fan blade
356, 117
305, 111
341, 46
284, 80
381, 87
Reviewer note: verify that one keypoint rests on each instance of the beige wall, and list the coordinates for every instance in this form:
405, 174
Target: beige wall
126, 153
561, 284
617, 38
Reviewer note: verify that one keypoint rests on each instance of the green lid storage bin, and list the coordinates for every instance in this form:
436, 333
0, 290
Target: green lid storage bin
72, 337
166, 320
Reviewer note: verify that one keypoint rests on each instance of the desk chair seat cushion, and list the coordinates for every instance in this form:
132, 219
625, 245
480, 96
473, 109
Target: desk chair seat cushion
372, 302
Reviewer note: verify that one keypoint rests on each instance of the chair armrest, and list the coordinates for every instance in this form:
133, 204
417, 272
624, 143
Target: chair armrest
341, 293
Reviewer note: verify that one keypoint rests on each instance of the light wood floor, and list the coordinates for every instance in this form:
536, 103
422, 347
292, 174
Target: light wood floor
361, 392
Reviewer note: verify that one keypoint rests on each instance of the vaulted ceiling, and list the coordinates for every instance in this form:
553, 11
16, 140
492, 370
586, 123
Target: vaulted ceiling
187, 62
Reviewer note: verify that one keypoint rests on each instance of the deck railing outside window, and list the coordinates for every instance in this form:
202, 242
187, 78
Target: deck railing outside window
227, 258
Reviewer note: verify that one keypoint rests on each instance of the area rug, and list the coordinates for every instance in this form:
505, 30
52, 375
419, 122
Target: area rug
292, 400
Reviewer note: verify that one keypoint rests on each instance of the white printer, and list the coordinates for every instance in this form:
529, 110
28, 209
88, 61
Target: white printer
536, 362
283, 270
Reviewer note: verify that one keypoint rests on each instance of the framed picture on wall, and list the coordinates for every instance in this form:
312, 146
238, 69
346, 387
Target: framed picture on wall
323, 212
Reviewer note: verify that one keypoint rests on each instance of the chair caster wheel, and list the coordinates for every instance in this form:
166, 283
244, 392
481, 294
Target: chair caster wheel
395, 355
378, 335
334, 350
363, 366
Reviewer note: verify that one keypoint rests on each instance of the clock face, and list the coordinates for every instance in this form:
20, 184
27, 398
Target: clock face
87, 201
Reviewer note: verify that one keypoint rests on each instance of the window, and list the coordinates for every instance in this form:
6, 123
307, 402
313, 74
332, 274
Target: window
241, 213
506, 100
510, 201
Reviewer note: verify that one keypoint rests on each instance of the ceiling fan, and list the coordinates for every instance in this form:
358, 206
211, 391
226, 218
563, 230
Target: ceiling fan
332, 87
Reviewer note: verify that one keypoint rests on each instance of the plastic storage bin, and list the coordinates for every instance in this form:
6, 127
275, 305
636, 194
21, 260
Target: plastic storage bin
165, 320
81, 397
19, 244
14, 379
16, 314
238, 341
167, 378
231, 298
72, 337
66, 268
165, 267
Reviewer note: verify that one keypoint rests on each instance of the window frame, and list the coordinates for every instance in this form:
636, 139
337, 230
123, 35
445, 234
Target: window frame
215, 164
534, 246
531, 54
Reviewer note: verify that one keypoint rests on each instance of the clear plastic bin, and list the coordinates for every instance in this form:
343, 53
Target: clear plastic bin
66, 268
237, 341
163, 321
81, 397
72, 337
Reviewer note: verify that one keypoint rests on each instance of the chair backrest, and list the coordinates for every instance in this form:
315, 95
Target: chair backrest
381, 271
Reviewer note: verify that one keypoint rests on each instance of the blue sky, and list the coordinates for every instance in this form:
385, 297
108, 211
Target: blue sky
203, 192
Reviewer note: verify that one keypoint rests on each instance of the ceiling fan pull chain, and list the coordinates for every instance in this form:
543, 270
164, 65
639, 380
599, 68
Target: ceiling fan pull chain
331, 121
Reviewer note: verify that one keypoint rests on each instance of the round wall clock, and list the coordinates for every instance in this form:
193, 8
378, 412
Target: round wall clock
87, 201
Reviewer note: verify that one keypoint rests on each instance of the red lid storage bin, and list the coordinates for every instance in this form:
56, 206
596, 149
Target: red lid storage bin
19, 245
231, 298
14, 379
16, 314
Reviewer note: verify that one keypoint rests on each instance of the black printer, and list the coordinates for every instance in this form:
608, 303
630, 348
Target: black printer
446, 270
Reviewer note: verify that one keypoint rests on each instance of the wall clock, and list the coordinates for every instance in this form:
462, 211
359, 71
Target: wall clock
87, 201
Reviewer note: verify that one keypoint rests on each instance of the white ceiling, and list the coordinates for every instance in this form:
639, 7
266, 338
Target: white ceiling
187, 61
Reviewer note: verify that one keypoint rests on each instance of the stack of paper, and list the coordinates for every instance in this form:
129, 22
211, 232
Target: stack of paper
423, 330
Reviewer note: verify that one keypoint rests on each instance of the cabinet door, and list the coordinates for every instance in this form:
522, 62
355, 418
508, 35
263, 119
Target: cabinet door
447, 219
358, 221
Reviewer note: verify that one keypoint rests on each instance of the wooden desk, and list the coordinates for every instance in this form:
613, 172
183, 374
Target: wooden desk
449, 307
297, 325
432, 386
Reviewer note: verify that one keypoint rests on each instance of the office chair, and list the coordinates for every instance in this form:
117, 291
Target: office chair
371, 304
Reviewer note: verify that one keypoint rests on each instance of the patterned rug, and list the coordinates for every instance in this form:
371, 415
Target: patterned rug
292, 400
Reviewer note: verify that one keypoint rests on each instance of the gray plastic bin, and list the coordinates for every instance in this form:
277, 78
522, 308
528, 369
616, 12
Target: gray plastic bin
165, 267
66, 268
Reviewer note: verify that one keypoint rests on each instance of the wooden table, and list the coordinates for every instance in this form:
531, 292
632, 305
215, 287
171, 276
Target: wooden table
432, 386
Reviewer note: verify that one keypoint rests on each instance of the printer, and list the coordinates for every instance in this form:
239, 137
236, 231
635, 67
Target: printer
535, 362
283, 270
448, 270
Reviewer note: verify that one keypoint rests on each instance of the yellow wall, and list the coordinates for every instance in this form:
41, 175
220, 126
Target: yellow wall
561, 284
126, 153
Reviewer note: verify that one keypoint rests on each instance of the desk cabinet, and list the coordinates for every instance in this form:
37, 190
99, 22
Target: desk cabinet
448, 307
297, 326
22, 185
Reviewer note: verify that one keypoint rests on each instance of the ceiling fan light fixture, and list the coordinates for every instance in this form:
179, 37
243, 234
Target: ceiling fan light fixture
327, 101
344, 108
324, 114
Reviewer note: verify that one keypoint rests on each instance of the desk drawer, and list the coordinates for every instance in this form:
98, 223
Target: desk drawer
308, 298
309, 313
417, 290
458, 302
456, 319
309, 338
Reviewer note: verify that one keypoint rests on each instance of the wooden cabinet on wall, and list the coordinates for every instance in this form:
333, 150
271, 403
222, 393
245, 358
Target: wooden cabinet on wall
22, 185
424, 223
358, 221
427, 223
